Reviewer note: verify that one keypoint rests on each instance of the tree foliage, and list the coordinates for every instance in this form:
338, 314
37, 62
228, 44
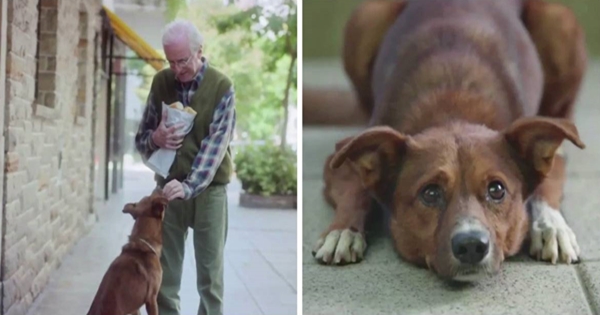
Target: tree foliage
173, 8
270, 26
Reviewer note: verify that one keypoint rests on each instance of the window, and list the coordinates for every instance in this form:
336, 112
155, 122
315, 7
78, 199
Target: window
45, 83
82, 64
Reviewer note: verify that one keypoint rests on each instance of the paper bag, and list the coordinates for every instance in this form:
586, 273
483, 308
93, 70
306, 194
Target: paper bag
161, 160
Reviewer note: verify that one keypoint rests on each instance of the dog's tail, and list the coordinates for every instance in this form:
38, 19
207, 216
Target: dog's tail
332, 107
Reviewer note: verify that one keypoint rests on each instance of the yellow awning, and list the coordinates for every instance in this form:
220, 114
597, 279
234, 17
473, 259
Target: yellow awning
134, 41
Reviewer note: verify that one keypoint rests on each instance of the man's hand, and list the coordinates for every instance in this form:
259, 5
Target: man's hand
173, 189
166, 138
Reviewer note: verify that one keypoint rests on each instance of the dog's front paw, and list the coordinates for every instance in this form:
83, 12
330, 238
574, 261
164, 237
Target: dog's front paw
340, 247
551, 237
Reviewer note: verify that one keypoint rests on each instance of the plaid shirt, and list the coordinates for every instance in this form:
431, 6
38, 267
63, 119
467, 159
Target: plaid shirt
212, 148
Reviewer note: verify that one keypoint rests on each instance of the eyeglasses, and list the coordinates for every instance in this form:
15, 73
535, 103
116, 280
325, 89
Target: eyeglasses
180, 63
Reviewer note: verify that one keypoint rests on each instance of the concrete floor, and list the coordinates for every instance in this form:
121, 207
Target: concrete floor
260, 259
384, 284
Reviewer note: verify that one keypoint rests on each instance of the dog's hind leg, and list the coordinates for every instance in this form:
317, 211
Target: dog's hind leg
560, 43
363, 34
344, 240
559, 40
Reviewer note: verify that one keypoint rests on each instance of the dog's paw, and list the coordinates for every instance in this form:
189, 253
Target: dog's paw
340, 247
551, 237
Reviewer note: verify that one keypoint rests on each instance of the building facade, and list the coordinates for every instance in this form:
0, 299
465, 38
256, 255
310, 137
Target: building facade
59, 133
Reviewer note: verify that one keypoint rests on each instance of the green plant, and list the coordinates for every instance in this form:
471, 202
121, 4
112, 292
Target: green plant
267, 170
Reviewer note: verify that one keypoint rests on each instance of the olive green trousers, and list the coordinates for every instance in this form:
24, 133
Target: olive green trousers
206, 215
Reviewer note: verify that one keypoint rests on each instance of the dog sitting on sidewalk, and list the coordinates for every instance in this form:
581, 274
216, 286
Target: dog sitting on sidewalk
134, 277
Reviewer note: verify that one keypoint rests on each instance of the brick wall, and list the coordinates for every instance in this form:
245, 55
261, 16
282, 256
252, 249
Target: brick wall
48, 185
3, 41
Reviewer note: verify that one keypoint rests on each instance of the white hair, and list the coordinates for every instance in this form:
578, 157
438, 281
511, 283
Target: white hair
183, 28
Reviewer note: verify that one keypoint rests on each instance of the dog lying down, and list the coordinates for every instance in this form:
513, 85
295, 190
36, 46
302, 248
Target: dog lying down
469, 102
134, 277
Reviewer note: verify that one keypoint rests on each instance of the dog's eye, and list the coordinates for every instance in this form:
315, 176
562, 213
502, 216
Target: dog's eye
432, 195
496, 191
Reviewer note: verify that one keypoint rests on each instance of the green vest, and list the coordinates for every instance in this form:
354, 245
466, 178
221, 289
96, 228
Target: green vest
212, 88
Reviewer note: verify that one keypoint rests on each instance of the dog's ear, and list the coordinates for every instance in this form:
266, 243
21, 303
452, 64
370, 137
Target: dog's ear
342, 143
536, 139
371, 152
131, 209
363, 35
159, 204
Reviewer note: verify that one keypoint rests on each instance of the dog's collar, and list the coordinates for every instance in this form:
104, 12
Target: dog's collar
150, 246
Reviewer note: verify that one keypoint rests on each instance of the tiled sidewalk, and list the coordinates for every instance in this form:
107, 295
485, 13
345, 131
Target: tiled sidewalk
260, 270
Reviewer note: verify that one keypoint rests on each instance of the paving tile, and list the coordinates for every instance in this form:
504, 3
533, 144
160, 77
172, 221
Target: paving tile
268, 240
232, 305
589, 273
239, 240
278, 257
289, 272
263, 275
277, 303
271, 219
317, 144
581, 209
402, 289
584, 163
326, 72
271, 291
285, 264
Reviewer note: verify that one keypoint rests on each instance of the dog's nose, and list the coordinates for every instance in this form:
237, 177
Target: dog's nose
470, 247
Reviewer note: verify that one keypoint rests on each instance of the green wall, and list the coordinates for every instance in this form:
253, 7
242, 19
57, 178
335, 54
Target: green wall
324, 22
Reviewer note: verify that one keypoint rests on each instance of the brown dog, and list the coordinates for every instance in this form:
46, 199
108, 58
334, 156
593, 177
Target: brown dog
469, 100
134, 277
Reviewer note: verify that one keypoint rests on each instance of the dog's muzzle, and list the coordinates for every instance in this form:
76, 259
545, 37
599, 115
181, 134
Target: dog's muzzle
470, 247
471, 251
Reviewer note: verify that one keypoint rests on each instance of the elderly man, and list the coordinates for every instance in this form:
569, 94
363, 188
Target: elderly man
197, 181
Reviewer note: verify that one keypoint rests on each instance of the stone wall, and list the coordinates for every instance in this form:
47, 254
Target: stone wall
47, 182
3, 41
